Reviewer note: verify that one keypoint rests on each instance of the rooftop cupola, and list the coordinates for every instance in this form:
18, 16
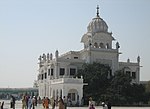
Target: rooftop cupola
97, 24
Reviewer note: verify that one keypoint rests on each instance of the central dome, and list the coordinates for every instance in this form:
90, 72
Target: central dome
97, 24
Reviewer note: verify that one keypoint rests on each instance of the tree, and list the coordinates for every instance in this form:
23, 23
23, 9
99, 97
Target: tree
148, 87
148, 91
96, 75
120, 84
126, 92
117, 89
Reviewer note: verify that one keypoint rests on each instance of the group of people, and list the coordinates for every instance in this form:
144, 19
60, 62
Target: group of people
104, 105
29, 102
61, 102
46, 102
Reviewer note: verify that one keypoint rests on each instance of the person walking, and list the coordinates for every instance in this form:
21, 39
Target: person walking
24, 106
52, 101
65, 102
109, 105
92, 107
29, 102
69, 101
46, 103
33, 102
12, 102
91, 101
104, 105
61, 103
43, 102
2, 105
27, 98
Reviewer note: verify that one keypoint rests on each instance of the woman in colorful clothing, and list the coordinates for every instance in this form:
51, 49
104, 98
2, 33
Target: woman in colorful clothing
92, 107
46, 103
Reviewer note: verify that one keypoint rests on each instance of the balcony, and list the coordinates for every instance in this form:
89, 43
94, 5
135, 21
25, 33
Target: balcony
67, 80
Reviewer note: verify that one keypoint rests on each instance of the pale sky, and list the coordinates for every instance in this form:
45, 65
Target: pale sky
29, 28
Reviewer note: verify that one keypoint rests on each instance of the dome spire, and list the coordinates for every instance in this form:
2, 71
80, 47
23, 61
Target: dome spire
97, 11
97, 24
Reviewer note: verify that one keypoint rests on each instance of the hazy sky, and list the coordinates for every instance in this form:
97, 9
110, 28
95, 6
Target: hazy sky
29, 28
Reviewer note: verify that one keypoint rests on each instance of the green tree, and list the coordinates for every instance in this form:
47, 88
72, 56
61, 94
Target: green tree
138, 94
148, 87
120, 84
148, 91
96, 75
126, 92
118, 89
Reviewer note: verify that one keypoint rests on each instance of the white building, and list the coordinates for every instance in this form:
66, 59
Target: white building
55, 76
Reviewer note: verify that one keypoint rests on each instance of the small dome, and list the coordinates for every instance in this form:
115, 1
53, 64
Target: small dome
97, 24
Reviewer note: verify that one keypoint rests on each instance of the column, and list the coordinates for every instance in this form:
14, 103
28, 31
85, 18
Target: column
56, 73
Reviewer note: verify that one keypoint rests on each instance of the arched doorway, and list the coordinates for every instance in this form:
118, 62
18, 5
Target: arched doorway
73, 96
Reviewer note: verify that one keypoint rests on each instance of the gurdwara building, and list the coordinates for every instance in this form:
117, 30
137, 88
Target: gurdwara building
56, 74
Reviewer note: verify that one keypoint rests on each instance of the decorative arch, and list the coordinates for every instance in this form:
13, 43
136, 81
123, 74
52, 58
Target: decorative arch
72, 94
127, 71
101, 45
95, 45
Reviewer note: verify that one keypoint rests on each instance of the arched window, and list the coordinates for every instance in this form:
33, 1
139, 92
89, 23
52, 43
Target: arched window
101, 45
95, 45
72, 94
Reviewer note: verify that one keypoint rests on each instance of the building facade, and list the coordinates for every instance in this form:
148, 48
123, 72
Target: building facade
56, 74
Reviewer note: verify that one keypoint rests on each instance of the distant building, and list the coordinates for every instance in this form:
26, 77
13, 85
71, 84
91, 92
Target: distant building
55, 76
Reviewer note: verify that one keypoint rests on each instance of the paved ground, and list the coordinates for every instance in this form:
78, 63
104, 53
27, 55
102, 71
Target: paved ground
18, 106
